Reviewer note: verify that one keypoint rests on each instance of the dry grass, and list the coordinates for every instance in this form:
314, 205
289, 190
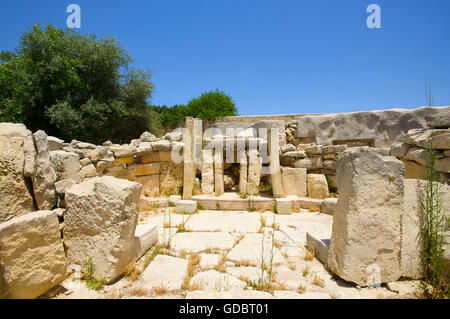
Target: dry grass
305, 271
182, 253
309, 254
139, 291
245, 262
314, 208
292, 266
277, 245
220, 268
238, 240
160, 289
301, 289
317, 281
131, 272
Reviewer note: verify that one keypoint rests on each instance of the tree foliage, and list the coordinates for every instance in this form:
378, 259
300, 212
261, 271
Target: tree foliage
209, 106
74, 86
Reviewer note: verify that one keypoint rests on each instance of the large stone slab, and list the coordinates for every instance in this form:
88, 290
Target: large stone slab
294, 181
212, 280
165, 272
100, 223
208, 172
367, 222
254, 172
32, 259
186, 206
15, 200
44, 177
224, 222
145, 236
250, 250
202, 241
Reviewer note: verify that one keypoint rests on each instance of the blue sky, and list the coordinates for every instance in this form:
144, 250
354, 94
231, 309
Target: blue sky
272, 57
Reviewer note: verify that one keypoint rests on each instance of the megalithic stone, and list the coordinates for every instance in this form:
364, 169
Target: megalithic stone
189, 165
254, 172
218, 171
366, 237
243, 173
208, 171
273, 144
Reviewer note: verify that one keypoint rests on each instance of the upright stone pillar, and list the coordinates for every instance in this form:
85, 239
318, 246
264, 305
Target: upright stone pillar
218, 171
366, 237
254, 172
198, 142
273, 144
189, 165
243, 170
208, 172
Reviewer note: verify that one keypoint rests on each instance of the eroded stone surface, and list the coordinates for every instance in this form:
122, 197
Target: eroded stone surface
201, 241
165, 272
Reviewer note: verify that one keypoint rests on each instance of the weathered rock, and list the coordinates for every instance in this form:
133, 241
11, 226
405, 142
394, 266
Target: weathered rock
418, 155
254, 172
88, 171
85, 161
186, 206
102, 165
212, 280
317, 186
170, 178
319, 247
61, 186
147, 137
82, 145
422, 138
150, 184
283, 206
145, 237
144, 148
399, 149
366, 233
147, 169
207, 172
189, 168
44, 178
288, 148
414, 170
294, 154
162, 145
328, 206
294, 181
54, 143
381, 127
15, 199
329, 164
66, 165
228, 182
100, 223
219, 187
165, 272
314, 149
243, 173
273, 147
32, 259
30, 156
311, 163
124, 150
97, 153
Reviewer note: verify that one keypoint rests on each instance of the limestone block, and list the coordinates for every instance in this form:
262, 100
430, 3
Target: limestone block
414, 170
88, 171
32, 259
273, 145
186, 206
317, 186
165, 156
145, 237
173, 199
147, 169
219, 187
283, 206
152, 157
15, 198
254, 172
207, 172
66, 165
170, 178
29, 156
85, 161
61, 186
124, 160
366, 234
162, 145
328, 206
100, 223
150, 184
124, 150
294, 181
144, 148
287, 148
147, 137
319, 247
312, 204
314, 149
243, 173
44, 177
54, 143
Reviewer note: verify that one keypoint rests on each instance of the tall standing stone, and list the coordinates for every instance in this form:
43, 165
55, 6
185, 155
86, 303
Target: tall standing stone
366, 234
254, 172
15, 199
273, 144
208, 172
243, 173
44, 176
198, 142
189, 165
218, 171
100, 223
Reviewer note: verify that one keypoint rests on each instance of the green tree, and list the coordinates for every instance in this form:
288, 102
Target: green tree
211, 105
74, 86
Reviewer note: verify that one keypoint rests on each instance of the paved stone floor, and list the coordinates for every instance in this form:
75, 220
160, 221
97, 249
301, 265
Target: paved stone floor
219, 254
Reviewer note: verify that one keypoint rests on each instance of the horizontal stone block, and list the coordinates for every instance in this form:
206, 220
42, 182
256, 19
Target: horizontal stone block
319, 246
186, 206
146, 169
283, 206
150, 184
152, 157
123, 160
145, 237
